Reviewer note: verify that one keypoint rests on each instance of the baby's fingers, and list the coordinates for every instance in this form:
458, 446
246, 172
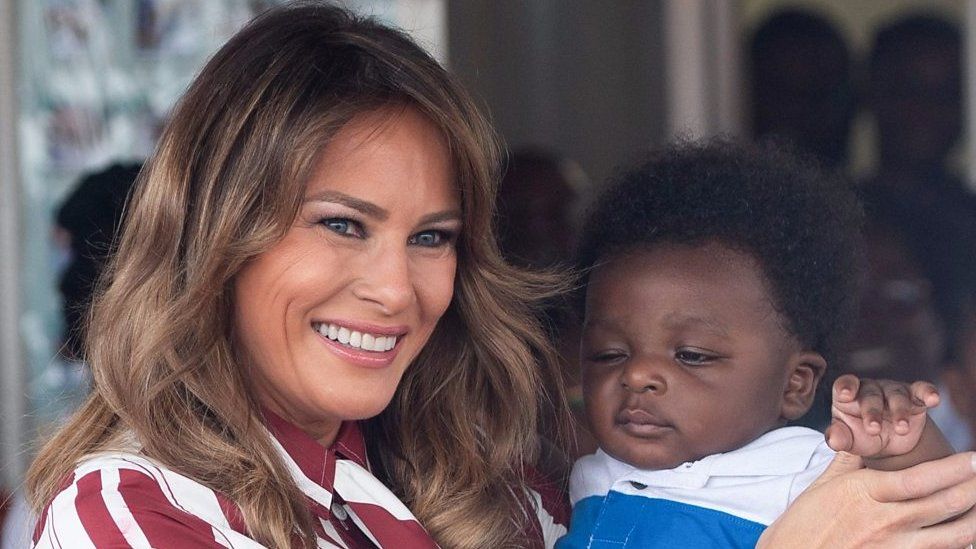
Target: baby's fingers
840, 438
845, 388
871, 401
901, 405
926, 393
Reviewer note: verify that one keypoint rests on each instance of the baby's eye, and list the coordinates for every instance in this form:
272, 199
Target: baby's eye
692, 357
606, 357
432, 238
343, 226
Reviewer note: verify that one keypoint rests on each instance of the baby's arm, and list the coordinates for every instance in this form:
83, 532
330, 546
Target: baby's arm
885, 422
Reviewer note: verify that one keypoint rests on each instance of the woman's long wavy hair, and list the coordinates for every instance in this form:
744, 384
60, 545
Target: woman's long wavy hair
225, 184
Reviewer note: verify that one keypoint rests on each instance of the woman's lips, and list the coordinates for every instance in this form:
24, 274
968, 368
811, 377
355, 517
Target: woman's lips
641, 423
365, 357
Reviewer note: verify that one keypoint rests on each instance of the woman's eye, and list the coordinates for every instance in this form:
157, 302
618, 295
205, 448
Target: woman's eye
693, 358
431, 239
342, 226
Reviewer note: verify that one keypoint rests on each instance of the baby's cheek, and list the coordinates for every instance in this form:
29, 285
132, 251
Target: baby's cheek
733, 425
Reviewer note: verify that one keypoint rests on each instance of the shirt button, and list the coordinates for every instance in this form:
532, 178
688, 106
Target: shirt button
339, 512
638, 485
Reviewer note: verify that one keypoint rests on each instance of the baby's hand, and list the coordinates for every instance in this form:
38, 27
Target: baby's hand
878, 418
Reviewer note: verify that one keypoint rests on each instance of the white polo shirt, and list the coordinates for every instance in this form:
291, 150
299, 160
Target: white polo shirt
722, 500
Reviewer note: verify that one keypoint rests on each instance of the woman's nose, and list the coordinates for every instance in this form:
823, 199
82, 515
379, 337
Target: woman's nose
644, 376
387, 279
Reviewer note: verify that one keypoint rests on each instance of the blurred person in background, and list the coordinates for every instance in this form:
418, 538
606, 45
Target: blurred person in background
802, 90
914, 91
86, 224
90, 216
910, 313
538, 203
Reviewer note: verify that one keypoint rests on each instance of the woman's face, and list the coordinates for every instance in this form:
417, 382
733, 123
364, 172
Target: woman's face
332, 315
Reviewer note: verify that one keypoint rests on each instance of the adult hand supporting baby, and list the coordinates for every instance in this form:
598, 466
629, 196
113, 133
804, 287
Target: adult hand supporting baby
928, 505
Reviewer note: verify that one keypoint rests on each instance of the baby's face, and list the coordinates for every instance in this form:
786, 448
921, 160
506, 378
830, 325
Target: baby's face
683, 354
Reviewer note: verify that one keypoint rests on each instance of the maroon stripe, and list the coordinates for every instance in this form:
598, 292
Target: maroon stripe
67, 481
39, 525
232, 513
350, 443
163, 524
158, 478
320, 530
168, 492
389, 531
94, 515
555, 499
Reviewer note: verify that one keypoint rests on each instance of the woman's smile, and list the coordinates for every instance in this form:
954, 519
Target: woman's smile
369, 347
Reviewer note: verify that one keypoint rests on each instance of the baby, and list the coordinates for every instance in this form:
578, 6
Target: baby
719, 287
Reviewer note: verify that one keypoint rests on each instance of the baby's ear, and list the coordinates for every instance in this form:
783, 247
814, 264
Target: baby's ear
805, 370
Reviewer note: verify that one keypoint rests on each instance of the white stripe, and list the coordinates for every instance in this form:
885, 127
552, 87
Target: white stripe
358, 485
120, 511
324, 543
330, 531
192, 497
551, 530
189, 495
196, 499
221, 540
62, 516
181, 492
311, 488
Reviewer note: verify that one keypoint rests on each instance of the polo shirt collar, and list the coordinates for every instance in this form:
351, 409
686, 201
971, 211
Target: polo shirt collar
315, 461
794, 448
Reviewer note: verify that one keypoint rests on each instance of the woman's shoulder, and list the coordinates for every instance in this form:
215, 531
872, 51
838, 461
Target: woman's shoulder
123, 499
551, 505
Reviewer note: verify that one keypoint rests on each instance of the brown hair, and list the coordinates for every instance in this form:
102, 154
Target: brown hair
224, 185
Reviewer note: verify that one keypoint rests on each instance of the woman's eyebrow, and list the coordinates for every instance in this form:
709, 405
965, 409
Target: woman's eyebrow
363, 206
437, 217
375, 211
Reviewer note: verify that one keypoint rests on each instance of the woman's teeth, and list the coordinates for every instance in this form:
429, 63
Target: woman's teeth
358, 340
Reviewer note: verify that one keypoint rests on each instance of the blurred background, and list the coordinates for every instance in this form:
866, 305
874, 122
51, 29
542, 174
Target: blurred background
878, 89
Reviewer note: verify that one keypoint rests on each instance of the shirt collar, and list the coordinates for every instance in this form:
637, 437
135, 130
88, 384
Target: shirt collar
782, 451
317, 462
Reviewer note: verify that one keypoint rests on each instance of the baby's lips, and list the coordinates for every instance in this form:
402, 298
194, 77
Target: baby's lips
640, 417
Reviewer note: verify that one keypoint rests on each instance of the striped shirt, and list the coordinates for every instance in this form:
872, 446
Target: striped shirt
123, 499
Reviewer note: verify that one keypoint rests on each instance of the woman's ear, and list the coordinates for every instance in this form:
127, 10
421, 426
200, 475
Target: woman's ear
805, 371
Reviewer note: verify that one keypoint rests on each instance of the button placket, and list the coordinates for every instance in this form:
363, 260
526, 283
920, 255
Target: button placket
339, 512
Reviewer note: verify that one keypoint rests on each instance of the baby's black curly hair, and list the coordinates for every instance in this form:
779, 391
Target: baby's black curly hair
798, 221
